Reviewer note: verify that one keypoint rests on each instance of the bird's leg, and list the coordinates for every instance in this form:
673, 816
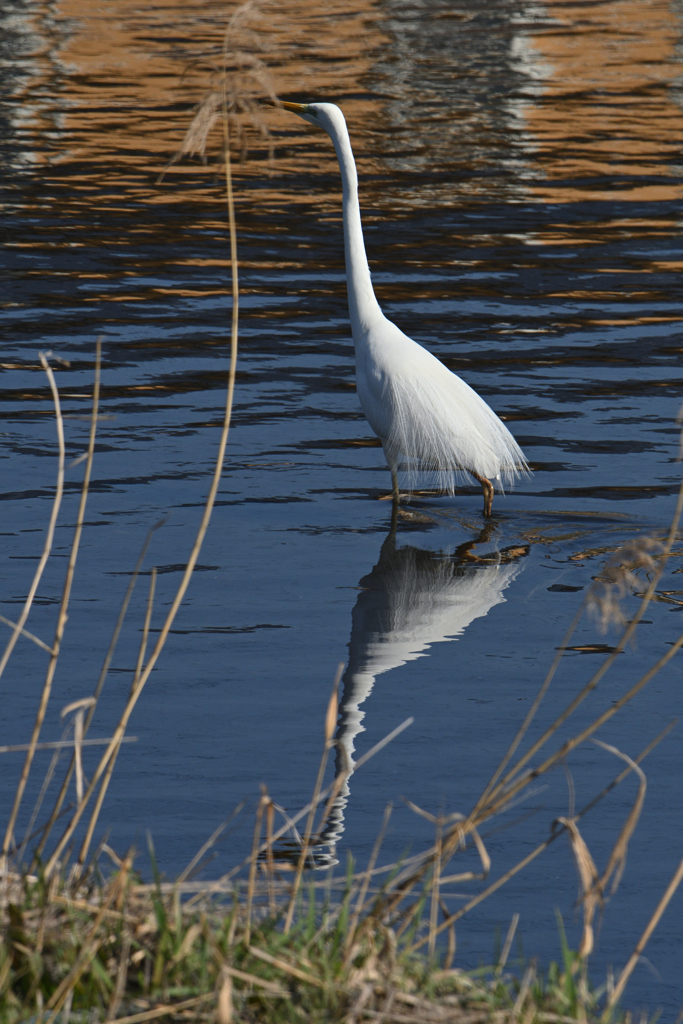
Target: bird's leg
395, 496
487, 488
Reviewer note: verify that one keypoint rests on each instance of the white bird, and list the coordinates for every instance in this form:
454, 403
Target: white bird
420, 411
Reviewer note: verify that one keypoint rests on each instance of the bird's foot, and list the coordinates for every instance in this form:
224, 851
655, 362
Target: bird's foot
400, 498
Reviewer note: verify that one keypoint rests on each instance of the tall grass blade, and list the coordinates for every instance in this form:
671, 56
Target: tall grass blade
504, 782
194, 553
49, 537
57, 810
85, 846
64, 603
642, 942
330, 719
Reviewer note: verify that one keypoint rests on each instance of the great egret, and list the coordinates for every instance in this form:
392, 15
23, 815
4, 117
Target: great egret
419, 409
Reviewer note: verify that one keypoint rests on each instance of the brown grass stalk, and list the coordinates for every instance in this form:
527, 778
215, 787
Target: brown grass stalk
216, 886
270, 860
119, 989
79, 707
452, 943
330, 721
485, 893
64, 603
91, 944
436, 874
165, 1010
527, 981
256, 982
110, 767
367, 875
251, 884
593, 885
532, 711
617, 861
575, 741
493, 792
507, 945
57, 809
49, 537
187, 871
591, 892
224, 1007
199, 539
642, 942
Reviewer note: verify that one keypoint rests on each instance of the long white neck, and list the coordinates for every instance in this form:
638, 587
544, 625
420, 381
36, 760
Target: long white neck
363, 306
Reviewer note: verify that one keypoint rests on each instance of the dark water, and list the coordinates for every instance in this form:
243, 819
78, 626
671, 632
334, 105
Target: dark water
521, 186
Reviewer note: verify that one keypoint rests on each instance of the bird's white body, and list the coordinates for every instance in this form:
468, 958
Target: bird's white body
421, 412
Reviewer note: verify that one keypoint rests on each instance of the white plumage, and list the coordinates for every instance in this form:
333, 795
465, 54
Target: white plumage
423, 414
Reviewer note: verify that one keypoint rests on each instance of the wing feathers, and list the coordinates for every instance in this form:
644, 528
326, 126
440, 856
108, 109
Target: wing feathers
434, 420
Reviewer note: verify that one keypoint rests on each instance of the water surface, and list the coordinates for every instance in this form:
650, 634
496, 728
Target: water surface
521, 188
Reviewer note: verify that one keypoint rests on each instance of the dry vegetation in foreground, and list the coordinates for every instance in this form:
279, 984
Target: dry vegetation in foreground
267, 943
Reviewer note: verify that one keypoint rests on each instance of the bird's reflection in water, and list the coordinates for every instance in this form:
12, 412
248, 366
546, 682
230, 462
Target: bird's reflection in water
411, 599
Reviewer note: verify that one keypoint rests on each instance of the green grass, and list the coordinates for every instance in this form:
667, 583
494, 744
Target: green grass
129, 950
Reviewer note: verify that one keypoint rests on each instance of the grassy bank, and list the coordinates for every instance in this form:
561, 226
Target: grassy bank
133, 953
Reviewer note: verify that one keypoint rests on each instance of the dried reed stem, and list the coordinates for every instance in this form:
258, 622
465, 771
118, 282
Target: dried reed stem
330, 721
532, 711
64, 603
270, 818
642, 942
121, 975
575, 741
224, 1008
59, 745
507, 945
436, 873
224, 879
110, 767
595, 679
480, 897
186, 872
98, 688
25, 632
90, 945
197, 546
252, 870
353, 925
617, 860
79, 707
167, 1010
49, 538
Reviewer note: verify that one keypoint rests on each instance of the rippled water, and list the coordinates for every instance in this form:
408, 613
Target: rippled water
521, 191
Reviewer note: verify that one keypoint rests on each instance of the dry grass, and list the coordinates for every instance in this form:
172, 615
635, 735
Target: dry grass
134, 953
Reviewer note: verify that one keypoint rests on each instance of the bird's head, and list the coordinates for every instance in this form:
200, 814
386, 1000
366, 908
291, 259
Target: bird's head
323, 115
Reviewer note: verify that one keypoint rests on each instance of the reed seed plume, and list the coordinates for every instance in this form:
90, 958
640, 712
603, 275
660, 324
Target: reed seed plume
239, 80
619, 578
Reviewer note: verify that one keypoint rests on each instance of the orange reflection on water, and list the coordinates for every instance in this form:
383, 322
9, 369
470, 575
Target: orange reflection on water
106, 78
605, 107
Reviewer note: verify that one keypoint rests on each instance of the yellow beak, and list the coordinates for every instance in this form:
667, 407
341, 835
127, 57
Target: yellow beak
296, 108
